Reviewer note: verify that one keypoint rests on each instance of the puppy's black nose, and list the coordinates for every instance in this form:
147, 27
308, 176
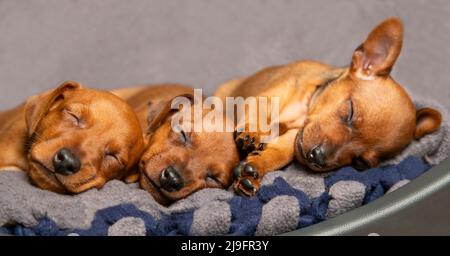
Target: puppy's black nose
66, 163
317, 156
171, 180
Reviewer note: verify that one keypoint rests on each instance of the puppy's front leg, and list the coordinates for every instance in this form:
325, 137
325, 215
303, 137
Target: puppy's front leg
249, 173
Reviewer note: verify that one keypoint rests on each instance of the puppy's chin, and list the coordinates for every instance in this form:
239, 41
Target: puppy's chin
319, 168
299, 155
44, 178
47, 179
312, 166
81, 181
147, 185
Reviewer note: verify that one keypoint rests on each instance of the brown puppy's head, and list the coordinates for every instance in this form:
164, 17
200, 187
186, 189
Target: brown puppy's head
177, 163
364, 115
80, 138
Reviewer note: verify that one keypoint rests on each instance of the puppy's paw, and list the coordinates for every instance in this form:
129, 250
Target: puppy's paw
246, 180
248, 142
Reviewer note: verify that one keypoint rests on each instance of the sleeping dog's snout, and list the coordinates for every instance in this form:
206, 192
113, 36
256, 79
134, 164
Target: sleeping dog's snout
170, 179
66, 162
311, 153
317, 156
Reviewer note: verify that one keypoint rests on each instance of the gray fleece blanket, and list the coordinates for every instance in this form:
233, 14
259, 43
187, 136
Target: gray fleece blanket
289, 199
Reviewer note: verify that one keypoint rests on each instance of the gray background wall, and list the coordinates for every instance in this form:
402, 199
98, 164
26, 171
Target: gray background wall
113, 43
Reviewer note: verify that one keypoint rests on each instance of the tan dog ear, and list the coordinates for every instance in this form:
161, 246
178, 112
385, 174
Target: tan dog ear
158, 112
377, 55
428, 120
38, 106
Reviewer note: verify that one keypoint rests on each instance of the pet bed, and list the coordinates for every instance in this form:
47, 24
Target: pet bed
288, 200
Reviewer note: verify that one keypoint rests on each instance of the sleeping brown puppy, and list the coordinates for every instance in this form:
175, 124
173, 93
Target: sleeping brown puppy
177, 163
71, 139
331, 117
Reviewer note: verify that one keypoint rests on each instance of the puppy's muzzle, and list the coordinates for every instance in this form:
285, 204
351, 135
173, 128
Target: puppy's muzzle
66, 162
171, 180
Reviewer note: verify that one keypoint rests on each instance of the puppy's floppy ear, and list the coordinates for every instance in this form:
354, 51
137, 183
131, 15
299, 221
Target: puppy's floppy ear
428, 120
38, 106
159, 111
377, 55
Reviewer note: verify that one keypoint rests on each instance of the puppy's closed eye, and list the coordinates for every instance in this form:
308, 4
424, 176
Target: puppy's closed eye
348, 115
350, 112
113, 156
181, 135
74, 118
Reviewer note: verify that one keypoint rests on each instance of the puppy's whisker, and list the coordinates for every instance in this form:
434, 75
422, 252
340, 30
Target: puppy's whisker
31, 140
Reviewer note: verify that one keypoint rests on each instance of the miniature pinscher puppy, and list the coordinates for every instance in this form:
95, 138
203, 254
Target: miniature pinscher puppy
71, 139
176, 163
331, 117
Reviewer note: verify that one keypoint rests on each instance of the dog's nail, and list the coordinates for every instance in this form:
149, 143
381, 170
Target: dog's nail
261, 146
239, 192
247, 184
237, 171
251, 171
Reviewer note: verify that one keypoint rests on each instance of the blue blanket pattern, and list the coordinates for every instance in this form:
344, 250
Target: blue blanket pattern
246, 215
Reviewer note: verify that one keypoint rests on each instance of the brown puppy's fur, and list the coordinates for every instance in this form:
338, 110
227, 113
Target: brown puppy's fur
99, 128
202, 160
330, 116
